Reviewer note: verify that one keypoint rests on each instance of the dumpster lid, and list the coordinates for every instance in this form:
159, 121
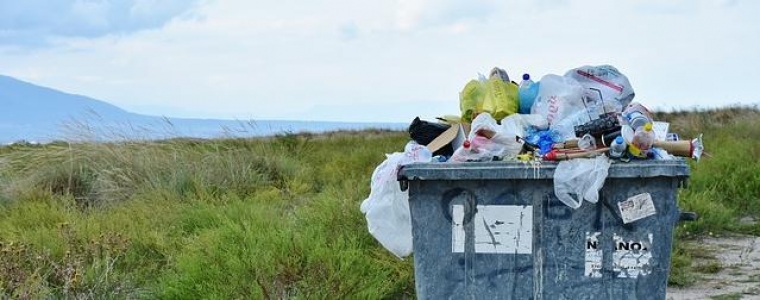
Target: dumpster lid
534, 170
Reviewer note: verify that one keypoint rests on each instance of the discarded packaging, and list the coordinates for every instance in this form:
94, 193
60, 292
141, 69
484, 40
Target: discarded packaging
693, 148
582, 178
387, 207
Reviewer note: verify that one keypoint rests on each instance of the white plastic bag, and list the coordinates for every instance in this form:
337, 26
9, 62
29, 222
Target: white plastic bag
582, 177
516, 125
479, 148
558, 97
606, 82
484, 121
504, 135
387, 207
513, 126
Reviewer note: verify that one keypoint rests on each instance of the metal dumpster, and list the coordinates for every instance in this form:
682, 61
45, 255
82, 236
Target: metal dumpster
496, 231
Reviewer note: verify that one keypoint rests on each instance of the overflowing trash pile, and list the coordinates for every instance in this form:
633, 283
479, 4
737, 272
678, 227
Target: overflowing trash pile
585, 120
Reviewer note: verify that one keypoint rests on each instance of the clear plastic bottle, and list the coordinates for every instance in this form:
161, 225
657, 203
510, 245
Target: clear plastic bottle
587, 142
643, 138
618, 147
637, 119
527, 93
636, 115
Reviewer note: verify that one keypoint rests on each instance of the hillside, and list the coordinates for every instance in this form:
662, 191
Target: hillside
35, 113
26, 103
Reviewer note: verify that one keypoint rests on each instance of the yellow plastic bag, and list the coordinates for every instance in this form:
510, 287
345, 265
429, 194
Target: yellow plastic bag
494, 96
501, 99
471, 100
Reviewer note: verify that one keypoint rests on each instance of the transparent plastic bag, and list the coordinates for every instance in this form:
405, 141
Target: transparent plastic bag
580, 178
603, 84
480, 144
558, 97
387, 207
505, 135
514, 126
565, 127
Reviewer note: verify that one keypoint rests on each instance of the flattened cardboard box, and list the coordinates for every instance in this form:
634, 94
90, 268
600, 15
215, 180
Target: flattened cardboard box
455, 135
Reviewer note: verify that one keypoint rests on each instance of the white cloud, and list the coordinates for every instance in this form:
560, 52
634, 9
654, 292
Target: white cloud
33, 22
354, 61
417, 14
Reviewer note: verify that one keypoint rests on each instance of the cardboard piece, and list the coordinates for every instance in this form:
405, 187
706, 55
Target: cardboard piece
677, 148
455, 136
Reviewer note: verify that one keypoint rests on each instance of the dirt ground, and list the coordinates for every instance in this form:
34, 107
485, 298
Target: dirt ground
738, 271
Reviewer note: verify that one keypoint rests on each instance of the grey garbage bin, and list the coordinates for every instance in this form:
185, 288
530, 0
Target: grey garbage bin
496, 231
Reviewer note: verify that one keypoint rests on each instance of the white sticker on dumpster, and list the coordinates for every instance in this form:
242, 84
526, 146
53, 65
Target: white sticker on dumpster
637, 208
632, 258
457, 228
593, 255
506, 229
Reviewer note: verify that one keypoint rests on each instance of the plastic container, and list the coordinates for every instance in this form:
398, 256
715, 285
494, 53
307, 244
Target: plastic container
618, 147
495, 230
637, 119
643, 138
527, 92
637, 115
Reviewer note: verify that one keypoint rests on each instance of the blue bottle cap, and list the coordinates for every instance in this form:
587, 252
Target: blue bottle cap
619, 140
526, 76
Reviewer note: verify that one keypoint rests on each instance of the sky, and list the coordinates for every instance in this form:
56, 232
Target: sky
371, 61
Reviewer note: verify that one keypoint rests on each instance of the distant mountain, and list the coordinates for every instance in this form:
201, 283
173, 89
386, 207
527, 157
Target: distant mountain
35, 113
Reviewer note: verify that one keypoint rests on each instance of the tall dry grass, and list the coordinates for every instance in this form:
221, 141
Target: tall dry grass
268, 218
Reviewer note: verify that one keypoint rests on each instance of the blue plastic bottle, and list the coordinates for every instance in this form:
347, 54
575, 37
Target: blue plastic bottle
527, 93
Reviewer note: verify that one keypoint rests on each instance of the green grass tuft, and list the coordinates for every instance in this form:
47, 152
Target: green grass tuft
272, 218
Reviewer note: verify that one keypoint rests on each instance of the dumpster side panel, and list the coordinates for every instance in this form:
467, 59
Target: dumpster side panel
592, 254
473, 239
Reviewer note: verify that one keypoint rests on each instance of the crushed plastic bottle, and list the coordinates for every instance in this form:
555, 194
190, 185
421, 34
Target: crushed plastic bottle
527, 93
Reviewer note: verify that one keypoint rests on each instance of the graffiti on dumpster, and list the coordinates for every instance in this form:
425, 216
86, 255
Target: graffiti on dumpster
593, 256
505, 229
631, 258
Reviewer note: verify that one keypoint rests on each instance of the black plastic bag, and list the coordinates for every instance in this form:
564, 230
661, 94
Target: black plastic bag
424, 132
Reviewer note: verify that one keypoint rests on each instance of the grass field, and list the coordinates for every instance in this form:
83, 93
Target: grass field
268, 218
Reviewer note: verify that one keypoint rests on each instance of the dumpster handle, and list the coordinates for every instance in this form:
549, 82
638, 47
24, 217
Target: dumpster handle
688, 216
403, 184
403, 181
470, 203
